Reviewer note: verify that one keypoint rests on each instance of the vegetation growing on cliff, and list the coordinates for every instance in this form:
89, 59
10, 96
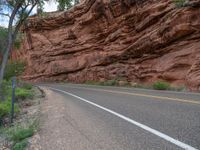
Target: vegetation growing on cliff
64, 4
179, 3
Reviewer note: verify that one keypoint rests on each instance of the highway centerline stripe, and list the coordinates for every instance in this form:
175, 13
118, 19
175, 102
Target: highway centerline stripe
145, 95
151, 130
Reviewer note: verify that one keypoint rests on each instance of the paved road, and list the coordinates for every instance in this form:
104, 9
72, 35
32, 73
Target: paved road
133, 119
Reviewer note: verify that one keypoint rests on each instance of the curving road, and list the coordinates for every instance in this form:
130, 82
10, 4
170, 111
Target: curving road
114, 118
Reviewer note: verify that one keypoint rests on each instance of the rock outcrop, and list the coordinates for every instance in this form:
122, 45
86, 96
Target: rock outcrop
140, 40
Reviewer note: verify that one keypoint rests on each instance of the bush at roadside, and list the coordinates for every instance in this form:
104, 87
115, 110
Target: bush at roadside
21, 93
5, 108
160, 85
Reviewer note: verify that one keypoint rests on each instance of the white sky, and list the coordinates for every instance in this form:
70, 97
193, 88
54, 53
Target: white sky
49, 7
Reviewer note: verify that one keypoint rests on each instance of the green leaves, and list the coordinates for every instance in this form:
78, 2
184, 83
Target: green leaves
22, 134
14, 68
3, 39
5, 108
64, 4
22, 93
160, 85
179, 3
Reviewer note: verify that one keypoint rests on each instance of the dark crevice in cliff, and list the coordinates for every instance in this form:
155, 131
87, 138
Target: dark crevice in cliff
64, 72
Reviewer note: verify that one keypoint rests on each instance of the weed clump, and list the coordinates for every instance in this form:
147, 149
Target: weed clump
21, 145
5, 108
21, 134
160, 85
27, 86
22, 93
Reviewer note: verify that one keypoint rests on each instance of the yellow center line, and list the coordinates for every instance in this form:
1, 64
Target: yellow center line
149, 96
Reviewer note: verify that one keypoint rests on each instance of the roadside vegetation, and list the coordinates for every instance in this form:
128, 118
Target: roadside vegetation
19, 134
21, 92
16, 14
118, 81
15, 135
158, 85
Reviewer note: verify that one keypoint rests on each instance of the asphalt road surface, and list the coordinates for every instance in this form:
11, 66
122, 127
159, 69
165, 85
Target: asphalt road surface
116, 118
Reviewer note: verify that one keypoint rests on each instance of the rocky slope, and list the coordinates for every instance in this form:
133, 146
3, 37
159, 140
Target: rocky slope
140, 40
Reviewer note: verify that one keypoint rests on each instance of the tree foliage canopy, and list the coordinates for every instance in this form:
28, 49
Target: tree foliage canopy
3, 39
64, 4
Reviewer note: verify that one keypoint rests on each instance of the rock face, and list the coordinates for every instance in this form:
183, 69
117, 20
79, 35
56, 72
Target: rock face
140, 40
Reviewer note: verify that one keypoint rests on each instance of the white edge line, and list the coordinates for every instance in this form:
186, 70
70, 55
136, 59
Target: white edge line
153, 131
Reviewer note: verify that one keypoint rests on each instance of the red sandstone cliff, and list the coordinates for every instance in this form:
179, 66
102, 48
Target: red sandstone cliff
141, 40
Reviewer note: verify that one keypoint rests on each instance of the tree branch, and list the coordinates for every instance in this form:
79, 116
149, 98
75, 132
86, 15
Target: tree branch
6, 15
23, 19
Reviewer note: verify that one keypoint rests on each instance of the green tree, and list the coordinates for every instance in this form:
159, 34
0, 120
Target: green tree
17, 12
66, 4
3, 38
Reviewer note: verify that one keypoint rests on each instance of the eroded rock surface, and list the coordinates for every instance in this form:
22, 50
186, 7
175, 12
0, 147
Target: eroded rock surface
140, 40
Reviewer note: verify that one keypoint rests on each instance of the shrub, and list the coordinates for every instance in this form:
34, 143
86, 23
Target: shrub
21, 134
178, 88
160, 85
21, 145
3, 39
110, 83
14, 69
5, 108
113, 82
6, 87
27, 86
181, 88
22, 93
179, 3
18, 40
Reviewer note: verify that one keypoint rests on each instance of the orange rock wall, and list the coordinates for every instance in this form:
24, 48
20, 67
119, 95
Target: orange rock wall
140, 40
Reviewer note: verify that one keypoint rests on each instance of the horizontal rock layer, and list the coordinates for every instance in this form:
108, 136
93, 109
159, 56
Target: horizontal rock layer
140, 40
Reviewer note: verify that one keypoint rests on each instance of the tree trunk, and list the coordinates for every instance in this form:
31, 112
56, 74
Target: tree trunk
9, 45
